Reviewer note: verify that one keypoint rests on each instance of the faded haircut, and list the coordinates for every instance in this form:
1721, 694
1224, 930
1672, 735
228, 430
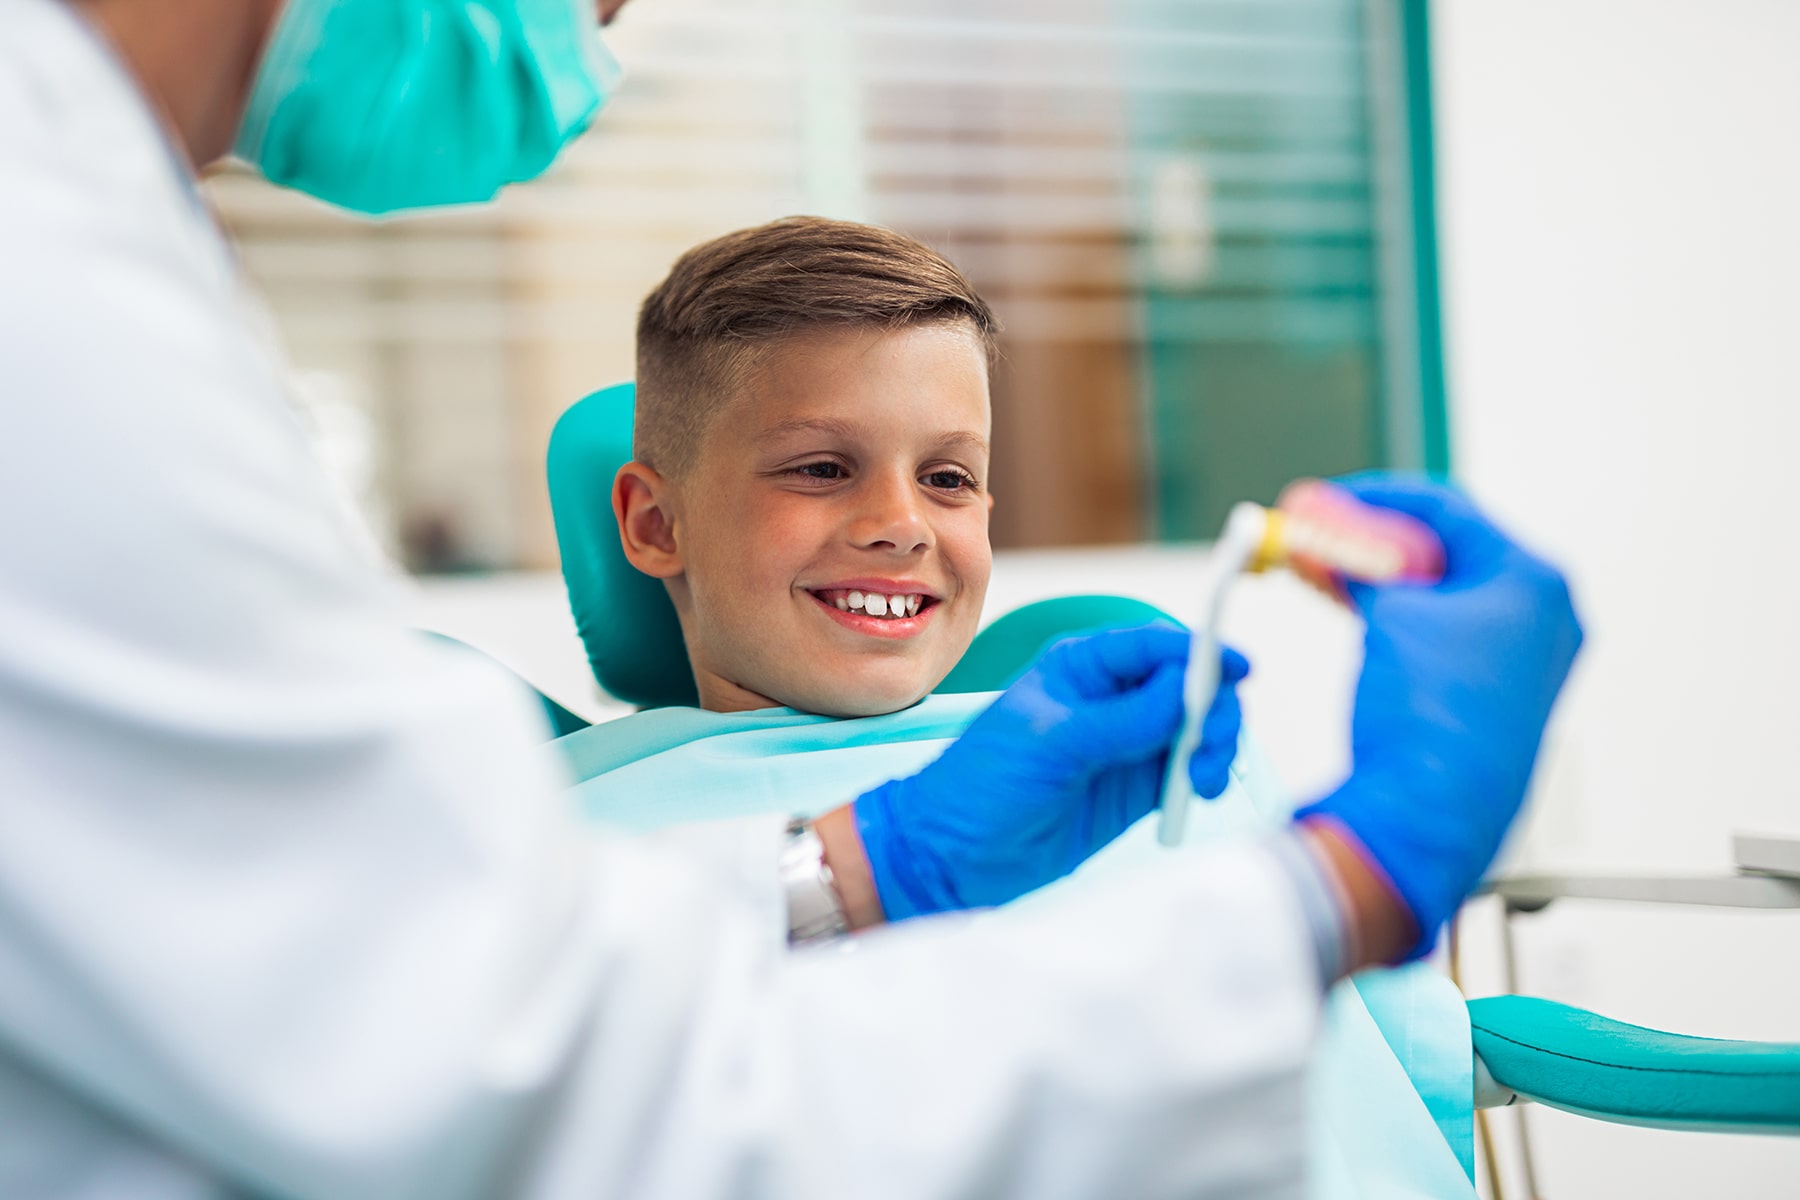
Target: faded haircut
728, 301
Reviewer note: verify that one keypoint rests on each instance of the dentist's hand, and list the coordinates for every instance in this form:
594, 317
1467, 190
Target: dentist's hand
1061, 764
1457, 683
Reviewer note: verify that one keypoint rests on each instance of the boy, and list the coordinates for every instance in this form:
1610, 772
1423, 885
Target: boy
811, 456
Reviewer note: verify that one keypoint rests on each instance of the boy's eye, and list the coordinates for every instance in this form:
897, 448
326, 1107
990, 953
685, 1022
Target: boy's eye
950, 480
824, 469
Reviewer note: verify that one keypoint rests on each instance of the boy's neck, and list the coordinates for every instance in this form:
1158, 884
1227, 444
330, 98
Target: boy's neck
723, 696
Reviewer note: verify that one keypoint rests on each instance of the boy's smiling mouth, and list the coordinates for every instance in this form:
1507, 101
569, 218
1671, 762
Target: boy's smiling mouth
884, 608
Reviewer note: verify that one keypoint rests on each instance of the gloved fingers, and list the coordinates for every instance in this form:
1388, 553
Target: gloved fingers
1209, 775
1232, 666
1406, 491
1103, 664
1209, 769
1471, 541
1477, 554
1224, 717
1120, 798
1130, 725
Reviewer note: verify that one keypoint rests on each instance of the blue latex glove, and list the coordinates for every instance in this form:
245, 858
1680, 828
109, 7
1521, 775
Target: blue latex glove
1061, 764
1457, 682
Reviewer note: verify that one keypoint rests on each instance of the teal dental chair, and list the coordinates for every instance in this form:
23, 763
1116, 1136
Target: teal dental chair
1526, 1048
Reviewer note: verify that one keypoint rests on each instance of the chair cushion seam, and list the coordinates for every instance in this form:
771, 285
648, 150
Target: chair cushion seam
1780, 1073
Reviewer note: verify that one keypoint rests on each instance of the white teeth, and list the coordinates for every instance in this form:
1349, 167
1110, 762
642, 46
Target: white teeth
875, 604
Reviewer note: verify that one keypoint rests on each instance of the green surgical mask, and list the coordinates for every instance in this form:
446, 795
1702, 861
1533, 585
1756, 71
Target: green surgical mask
383, 105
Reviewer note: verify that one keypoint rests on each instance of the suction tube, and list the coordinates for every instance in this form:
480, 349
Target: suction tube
1245, 531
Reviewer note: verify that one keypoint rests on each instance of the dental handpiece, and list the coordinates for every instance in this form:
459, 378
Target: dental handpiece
1323, 534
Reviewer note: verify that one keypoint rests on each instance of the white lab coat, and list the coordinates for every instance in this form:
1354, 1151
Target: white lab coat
287, 906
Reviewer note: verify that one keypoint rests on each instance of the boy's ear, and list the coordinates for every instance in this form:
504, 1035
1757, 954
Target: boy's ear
641, 504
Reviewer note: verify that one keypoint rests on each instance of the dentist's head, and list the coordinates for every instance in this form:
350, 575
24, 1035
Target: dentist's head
372, 105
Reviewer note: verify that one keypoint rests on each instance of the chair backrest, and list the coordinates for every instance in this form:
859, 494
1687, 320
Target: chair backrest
628, 624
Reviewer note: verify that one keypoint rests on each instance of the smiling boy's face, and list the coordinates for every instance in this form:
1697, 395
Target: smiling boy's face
828, 548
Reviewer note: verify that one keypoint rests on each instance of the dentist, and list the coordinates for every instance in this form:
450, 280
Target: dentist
287, 906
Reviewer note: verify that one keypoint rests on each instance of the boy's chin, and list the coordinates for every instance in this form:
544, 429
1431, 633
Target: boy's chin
861, 702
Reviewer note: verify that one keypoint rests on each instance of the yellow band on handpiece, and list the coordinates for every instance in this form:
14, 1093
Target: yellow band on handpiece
1272, 550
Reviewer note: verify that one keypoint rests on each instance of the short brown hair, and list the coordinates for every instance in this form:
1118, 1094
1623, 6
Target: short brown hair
728, 299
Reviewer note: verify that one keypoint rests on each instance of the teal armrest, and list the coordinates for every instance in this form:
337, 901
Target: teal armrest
1003, 650
1572, 1059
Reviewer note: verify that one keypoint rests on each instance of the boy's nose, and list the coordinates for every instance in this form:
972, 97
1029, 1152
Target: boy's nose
892, 518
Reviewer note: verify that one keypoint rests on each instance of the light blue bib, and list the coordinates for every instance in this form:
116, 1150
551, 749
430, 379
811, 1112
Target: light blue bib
1392, 1085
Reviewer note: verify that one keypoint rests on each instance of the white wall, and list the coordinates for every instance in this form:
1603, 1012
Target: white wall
1620, 203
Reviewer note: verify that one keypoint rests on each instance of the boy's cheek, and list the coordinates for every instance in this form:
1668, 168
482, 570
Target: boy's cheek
773, 519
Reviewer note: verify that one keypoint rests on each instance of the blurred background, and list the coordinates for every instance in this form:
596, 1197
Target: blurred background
1548, 245
1193, 219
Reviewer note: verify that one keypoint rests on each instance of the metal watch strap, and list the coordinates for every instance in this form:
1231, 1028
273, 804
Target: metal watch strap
815, 914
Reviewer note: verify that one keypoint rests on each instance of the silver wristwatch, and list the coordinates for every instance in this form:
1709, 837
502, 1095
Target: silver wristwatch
815, 914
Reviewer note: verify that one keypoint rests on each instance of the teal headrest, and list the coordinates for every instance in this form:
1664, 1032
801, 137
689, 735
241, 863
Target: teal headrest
624, 617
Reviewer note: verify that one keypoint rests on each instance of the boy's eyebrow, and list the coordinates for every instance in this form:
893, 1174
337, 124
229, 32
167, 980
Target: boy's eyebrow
964, 438
824, 425
843, 429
